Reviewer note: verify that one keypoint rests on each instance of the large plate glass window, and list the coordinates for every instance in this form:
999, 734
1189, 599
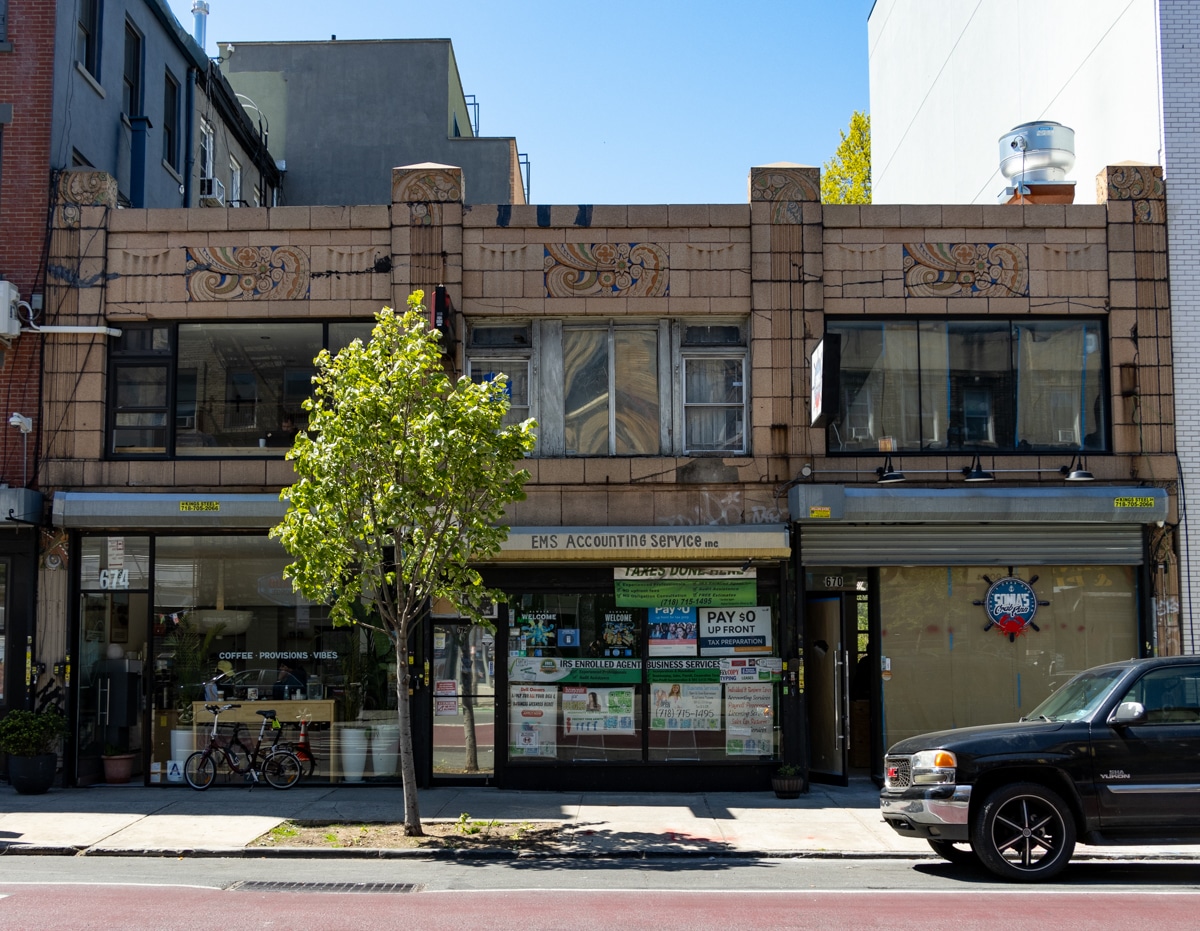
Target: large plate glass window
979, 385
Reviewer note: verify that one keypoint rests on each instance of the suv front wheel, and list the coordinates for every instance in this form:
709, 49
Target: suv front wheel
1023, 832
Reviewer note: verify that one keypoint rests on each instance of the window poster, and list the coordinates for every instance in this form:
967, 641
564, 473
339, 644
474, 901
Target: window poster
683, 706
734, 630
533, 721
750, 669
537, 632
620, 633
749, 719
587, 710
672, 631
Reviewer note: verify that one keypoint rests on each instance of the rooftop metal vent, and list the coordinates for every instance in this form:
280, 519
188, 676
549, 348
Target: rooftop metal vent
1040, 152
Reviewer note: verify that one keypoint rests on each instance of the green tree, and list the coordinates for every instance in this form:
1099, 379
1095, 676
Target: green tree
846, 178
403, 477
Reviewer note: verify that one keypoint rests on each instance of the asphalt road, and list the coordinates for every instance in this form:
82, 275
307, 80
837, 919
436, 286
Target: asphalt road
693, 894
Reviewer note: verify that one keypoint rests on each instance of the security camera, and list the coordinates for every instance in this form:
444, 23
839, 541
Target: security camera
1019, 144
21, 422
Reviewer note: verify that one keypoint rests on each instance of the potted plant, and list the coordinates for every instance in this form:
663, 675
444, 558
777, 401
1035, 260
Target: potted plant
30, 738
788, 781
118, 764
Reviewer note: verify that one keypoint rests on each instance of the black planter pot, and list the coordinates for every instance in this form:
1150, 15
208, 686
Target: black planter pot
32, 775
787, 786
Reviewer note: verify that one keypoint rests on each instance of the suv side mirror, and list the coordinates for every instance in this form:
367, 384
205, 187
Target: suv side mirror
1128, 712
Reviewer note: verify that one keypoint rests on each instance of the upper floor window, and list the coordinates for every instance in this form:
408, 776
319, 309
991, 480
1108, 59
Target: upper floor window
131, 87
607, 389
3, 38
207, 148
87, 36
235, 182
171, 121
215, 389
995, 385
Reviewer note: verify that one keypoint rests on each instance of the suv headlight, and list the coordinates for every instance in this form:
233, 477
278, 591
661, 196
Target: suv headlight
933, 767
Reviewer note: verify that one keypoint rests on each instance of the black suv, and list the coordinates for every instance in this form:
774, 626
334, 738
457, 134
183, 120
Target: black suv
1112, 757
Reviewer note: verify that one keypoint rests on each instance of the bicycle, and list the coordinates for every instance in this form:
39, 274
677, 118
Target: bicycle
279, 767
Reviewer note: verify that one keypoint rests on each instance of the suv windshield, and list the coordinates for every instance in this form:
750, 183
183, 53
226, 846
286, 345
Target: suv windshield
1078, 698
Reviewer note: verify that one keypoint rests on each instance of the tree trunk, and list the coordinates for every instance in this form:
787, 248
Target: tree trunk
408, 765
462, 636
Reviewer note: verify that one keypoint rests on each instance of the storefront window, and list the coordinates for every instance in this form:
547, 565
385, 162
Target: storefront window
627, 677
228, 627
946, 668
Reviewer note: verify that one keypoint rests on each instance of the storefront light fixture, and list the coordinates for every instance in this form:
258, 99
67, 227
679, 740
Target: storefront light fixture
1077, 470
975, 472
889, 475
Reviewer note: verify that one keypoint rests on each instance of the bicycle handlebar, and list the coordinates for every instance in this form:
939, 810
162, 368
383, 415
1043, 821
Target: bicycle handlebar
217, 709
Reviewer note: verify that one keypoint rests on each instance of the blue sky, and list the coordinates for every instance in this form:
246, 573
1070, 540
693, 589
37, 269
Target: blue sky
662, 101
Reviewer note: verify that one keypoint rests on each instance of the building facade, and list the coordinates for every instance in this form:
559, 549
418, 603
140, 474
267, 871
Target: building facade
1074, 62
799, 468
406, 105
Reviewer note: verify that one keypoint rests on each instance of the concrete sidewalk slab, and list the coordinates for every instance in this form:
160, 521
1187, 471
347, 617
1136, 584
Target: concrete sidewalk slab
222, 821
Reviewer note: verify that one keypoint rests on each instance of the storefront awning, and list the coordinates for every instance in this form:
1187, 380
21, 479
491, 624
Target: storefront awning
84, 510
812, 504
644, 544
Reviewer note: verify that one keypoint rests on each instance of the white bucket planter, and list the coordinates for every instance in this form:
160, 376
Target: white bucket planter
385, 748
353, 741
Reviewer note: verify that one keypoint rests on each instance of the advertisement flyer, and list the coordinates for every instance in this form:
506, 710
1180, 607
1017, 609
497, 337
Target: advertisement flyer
682, 706
673, 631
588, 710
734, 630
445, 697
533, 717
620, 634
760, 669
749, 719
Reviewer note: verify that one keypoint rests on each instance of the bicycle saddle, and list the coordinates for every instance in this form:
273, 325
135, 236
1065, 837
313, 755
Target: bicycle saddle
267, 714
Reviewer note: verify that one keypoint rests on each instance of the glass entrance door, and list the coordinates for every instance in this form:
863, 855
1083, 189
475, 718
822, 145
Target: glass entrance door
827, 645
464, 700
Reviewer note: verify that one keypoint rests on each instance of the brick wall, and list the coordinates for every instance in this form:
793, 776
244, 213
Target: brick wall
1179, 23
26, 82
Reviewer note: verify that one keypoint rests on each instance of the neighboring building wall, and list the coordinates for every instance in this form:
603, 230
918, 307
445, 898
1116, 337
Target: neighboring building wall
949, 78
354, 110
88, 107
1180, 24
26, 84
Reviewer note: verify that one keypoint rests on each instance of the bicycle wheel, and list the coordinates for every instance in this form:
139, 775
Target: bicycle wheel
281, 769
200, 770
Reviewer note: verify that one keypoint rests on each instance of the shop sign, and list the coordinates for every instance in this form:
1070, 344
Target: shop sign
573, 671
734, 630
682, 593
685, 670
1011, 605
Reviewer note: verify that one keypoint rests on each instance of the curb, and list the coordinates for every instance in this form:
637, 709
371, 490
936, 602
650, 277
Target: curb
501, 853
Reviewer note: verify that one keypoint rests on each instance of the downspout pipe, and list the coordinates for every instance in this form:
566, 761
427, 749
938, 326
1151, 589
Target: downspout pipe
190, 133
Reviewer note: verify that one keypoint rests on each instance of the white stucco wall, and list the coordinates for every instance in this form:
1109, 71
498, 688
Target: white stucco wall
948, 78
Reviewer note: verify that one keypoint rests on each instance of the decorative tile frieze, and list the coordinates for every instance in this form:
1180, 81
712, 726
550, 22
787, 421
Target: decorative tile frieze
965, 269
247, 273
633, 269
786, 189
427, 184
1141, 184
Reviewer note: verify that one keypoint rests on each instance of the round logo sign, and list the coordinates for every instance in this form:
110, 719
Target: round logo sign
1011, 604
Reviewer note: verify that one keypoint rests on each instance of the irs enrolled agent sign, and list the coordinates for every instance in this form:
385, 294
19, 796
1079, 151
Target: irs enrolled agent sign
679, 593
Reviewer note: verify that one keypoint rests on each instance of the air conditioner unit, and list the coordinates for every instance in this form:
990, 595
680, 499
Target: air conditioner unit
212, 193
10, 320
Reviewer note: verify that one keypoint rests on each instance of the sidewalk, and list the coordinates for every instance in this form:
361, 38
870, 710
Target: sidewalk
138, 821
